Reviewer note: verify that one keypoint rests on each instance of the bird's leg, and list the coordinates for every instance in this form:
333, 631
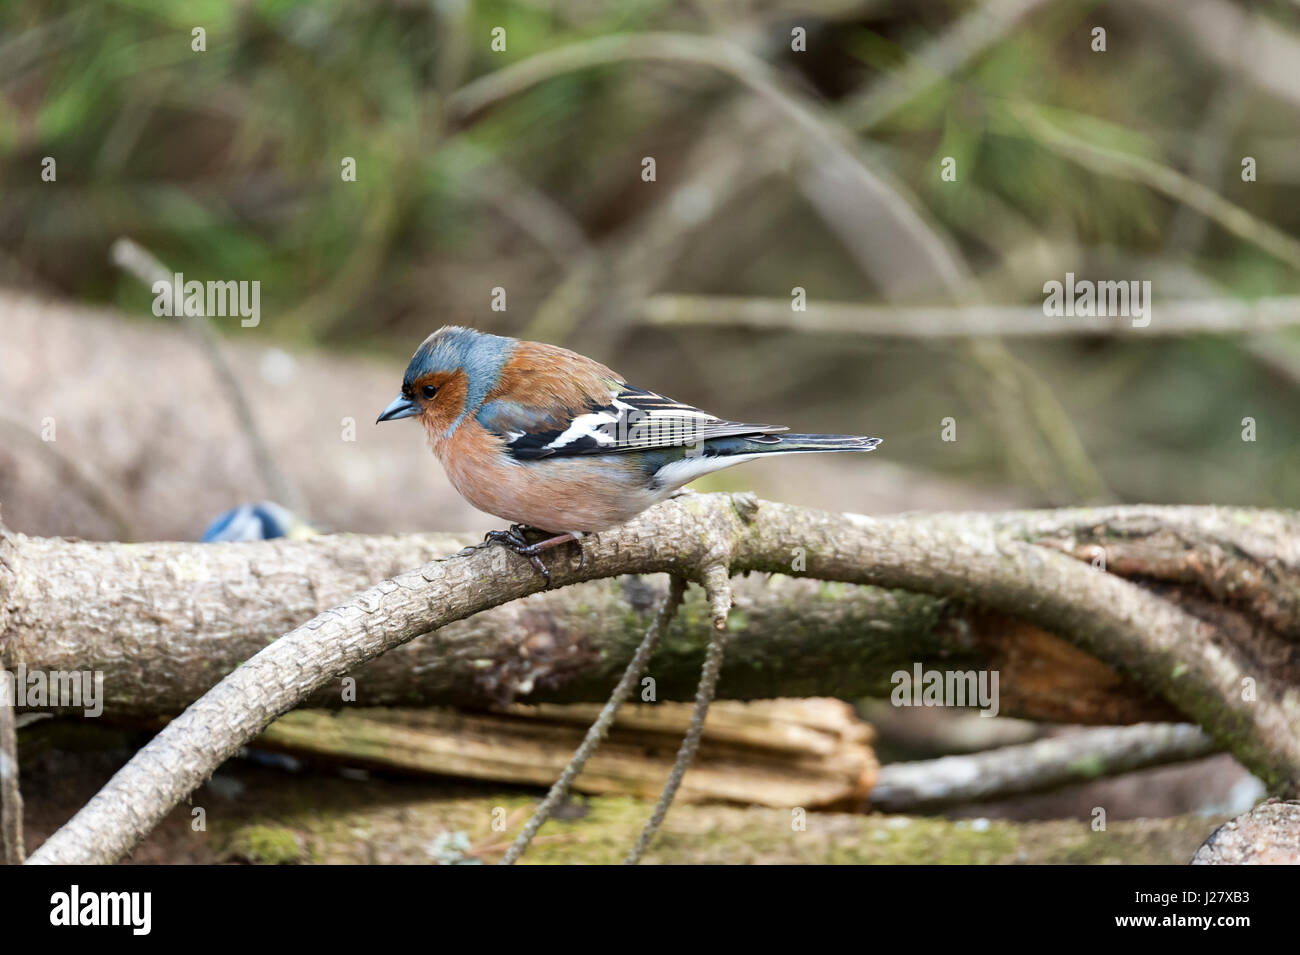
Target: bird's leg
516, 540
578, 538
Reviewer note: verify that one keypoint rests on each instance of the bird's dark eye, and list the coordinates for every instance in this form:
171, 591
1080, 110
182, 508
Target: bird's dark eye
428, 391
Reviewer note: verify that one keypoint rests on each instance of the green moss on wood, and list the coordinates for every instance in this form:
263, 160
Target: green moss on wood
265, 845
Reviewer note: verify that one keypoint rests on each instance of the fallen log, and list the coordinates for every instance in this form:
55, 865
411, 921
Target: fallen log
1201, 663
781, 753
164, 622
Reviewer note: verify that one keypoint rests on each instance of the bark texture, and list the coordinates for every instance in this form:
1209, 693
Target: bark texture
1267, 835
164, 622
1032, 767
996, 561
11, 797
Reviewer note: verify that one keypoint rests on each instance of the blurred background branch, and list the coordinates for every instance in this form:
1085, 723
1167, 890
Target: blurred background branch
141, 264
227, 163
1186, 317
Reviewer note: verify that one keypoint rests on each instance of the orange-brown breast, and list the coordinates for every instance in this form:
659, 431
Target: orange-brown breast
579, 493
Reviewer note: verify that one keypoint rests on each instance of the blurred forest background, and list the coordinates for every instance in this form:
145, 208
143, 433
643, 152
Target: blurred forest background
226, 164
775, 168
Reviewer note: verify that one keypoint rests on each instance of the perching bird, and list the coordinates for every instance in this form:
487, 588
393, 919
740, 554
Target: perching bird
549, 439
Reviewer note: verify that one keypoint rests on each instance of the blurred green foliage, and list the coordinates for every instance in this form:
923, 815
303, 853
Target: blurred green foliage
226, 164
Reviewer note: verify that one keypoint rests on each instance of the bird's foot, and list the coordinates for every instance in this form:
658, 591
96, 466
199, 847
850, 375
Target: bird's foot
515, 538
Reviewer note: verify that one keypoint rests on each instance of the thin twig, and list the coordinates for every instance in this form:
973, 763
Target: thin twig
596, 733
1059, 448
533, 211
139, 262
824, 136
972, 35
1187, 229
1170, 182
453, 47
718, 587
634, 260
1231, 36
1220, 316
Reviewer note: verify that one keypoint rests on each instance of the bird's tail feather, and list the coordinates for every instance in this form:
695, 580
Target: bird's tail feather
790, 443
722, 453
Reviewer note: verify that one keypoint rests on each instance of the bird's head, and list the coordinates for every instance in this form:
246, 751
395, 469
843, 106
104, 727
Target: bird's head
449, 377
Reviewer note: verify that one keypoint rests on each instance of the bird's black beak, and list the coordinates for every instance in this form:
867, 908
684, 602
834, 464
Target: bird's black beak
399, 407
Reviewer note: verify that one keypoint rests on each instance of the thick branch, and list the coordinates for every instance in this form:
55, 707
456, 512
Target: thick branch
166, 621
1152, 639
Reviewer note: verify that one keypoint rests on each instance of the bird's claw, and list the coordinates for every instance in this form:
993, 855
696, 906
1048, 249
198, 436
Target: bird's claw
517, 542
515, 538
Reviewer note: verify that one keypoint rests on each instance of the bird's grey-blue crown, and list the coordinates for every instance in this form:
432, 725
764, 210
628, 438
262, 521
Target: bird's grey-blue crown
480, 354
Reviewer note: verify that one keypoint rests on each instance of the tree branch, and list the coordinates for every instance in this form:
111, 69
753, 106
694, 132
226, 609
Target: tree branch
596, 733
1267, 835
974, 558
11, 798
191, 613
1033, 767
973, 34
1214, 317
1114, 162
12, 850
717, 584
836, 160
142, 265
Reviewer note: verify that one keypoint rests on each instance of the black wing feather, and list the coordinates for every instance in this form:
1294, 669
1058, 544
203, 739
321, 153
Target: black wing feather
633, 420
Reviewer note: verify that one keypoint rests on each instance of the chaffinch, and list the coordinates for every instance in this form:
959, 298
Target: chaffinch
551, 440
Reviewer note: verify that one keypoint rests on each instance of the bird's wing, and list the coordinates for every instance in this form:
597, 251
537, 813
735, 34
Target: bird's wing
628, 419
